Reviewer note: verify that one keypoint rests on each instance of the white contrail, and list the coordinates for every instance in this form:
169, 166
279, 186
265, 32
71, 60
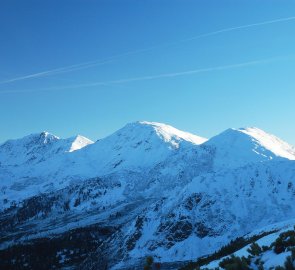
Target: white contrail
181, 73
89, 64
74, 67
56, 71
238, 28
153, 77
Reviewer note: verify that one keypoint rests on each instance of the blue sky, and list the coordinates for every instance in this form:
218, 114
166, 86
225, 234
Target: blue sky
87, 52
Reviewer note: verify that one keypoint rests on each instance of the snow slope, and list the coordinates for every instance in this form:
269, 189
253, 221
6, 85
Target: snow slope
269, 258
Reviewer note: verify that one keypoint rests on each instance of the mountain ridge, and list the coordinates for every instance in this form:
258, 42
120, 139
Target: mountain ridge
148, 188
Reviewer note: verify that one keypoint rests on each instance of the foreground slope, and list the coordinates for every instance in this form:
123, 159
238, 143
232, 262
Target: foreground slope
147, 189
270, 247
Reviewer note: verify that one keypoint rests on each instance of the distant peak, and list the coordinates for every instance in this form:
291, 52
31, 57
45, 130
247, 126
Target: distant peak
167, 132
252, 139
250, 131
43, 137
148, 123
78, 142
46, 134
250, 128
144, 124
79, 137
253, 130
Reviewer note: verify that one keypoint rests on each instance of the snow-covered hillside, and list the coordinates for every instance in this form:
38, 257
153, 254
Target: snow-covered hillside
147, 189
270, 249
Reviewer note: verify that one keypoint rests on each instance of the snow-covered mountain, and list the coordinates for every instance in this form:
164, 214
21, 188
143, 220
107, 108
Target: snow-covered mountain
36, 148
235, 147
138, 145
45, 162
147, 189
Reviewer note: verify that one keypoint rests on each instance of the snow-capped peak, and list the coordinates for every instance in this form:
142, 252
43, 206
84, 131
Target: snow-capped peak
236, 147
38, 147
43, 137
29, 141
47, 136
138, 144
169, 133
153, 133
78, 142
271, 142
28, 148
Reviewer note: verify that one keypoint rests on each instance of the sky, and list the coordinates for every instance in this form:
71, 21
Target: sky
90, 67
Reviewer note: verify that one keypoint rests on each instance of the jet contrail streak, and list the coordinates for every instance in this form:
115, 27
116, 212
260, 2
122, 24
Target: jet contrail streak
56, 71
152, 77
176, 74
89, 64
238, 28
75, 67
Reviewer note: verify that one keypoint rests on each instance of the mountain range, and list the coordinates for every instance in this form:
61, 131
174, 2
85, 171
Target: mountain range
149, 189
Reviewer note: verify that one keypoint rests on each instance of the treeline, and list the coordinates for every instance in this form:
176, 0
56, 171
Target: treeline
232, 247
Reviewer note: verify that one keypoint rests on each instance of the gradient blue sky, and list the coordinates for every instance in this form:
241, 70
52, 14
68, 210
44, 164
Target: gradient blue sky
40, 36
